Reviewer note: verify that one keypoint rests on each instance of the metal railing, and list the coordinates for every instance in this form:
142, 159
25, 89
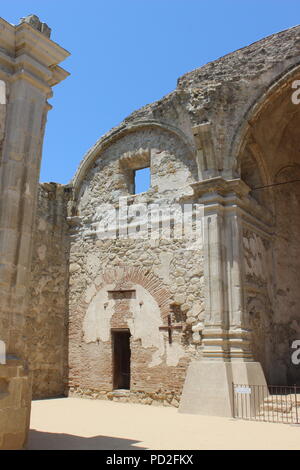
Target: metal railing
271, 403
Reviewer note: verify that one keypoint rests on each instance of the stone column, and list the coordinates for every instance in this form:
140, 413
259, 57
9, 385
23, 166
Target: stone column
216, 323
28, 69
227, 356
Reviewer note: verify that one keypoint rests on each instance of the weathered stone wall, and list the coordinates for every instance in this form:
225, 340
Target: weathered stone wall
166, 275
46, 323
270, 167
190, 135
286, 318
224, 91
271, 288
259, 295
157, 367
173, 166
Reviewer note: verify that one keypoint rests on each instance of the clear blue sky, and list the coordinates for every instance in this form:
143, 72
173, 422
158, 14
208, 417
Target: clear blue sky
127, 53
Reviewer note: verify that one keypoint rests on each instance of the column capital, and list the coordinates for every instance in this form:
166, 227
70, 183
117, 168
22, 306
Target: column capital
221, 186
27, 52
233, 195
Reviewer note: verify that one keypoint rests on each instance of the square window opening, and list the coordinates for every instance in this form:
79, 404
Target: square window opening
142, 180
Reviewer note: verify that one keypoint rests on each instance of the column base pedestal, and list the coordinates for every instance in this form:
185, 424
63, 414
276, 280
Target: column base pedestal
15, 404
208, 385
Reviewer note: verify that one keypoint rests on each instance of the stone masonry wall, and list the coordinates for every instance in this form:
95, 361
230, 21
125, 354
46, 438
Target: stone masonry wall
46, 327
166, 275
173, 166
158, 369
286, 319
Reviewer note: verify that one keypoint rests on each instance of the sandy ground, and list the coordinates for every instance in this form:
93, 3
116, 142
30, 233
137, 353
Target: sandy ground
75, 423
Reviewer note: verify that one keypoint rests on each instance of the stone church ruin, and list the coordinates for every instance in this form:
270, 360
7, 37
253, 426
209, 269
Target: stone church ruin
152, 320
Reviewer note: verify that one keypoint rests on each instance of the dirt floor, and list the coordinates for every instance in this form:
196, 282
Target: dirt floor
75, 423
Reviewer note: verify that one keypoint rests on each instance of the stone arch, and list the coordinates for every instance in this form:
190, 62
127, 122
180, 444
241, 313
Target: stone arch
288, 173
253, 171
152, 359
104, 142
255, 110
270, 132
143, 277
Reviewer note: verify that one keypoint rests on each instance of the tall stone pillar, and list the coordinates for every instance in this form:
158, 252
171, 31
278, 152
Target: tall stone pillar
28, 70
227, 355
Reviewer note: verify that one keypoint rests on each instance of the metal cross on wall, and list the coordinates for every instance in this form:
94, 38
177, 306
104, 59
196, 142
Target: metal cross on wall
169, 327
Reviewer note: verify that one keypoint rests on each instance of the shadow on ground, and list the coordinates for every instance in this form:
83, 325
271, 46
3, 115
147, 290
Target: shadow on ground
39, 440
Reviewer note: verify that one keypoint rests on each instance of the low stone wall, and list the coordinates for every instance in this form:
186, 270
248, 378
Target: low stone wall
15, 404
123, 396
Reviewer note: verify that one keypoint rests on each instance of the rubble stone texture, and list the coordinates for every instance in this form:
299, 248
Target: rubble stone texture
227, 139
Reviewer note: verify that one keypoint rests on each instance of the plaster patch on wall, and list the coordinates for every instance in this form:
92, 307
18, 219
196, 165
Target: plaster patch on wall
90, 292
93, 264
146, 322
173, 181
256, 257
163, 269
41, 251
174, 353
42, 225
96, 323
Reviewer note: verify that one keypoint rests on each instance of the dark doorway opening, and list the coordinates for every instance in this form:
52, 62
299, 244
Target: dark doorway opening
121, 359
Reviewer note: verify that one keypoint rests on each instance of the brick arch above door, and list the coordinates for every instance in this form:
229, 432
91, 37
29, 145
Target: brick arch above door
142, 276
